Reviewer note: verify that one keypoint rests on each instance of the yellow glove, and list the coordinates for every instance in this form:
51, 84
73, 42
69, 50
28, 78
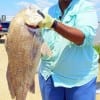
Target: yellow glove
35, 18
46, 22
32, 18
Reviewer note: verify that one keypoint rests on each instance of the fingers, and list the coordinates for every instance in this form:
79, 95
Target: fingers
39, 12
33, 17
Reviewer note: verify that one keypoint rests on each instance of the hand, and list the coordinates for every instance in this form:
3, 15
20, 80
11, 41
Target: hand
46, 22
32, 18
37, 19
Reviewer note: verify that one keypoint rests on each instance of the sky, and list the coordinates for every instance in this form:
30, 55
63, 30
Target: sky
11, 7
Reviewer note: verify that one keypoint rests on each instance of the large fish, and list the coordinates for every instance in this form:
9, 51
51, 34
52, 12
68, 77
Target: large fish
23, 46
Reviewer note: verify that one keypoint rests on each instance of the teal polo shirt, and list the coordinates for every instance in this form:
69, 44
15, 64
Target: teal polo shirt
71, 65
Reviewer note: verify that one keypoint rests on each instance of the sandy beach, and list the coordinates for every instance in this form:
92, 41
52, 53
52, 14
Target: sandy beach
4, 92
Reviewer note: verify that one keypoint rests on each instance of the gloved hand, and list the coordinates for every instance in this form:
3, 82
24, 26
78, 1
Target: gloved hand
32, 18
47, 21
38, 19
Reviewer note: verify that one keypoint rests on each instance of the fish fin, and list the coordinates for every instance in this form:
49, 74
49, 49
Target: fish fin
32, 87
45, 50
10, 85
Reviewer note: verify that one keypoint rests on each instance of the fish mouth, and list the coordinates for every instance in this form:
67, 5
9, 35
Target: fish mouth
31, 26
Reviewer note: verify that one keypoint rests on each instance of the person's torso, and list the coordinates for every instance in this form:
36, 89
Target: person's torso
69, 63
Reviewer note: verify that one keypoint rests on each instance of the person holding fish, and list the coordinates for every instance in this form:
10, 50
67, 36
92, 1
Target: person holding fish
70, 73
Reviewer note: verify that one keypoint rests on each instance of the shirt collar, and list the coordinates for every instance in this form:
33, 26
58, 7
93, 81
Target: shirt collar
71, 5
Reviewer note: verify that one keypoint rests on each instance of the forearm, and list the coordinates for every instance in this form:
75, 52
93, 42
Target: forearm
70, 33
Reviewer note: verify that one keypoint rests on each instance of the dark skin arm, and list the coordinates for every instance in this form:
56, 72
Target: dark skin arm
70, 33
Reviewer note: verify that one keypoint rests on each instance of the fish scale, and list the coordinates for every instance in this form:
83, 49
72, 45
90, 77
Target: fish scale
24, 51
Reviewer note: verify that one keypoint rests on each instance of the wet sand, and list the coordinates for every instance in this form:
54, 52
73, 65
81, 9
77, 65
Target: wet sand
4, 92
